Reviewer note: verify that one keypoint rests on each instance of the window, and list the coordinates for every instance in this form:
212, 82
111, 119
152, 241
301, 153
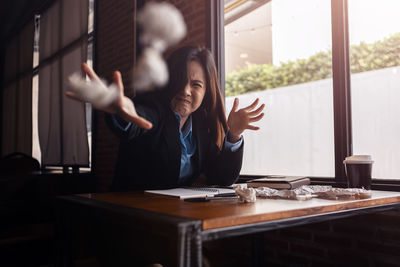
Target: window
283, 57
35, 93
57, 55
374, 35
328, 72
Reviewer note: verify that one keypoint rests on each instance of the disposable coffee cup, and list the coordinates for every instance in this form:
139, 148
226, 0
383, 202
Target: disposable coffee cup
358, 170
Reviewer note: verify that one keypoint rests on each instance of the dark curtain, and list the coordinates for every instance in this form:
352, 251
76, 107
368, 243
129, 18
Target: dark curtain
63, 46
17, 94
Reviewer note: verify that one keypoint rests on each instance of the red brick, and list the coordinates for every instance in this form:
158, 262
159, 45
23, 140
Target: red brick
295, 234
323, 227
292, 259
331, 240
276, 244
386, 260
354, 229
388, 219
348, 257
269, 234
389, 235
306, 249
374, 246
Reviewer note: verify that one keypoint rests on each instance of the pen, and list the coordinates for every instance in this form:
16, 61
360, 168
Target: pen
224, 196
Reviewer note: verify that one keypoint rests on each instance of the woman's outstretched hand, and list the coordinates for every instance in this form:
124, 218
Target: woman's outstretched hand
121, 106
239, 120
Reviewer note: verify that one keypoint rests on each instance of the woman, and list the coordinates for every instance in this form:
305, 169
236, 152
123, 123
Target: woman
171, 137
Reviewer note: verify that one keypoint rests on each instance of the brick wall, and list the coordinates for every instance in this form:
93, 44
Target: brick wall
194, 15
116, 50
363, 240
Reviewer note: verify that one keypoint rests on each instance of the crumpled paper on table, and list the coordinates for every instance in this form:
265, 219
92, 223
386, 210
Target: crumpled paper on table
266, 192
304, 192
245, 194
328, 192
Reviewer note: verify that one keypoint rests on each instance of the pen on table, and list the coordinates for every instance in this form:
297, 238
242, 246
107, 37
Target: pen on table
223, 196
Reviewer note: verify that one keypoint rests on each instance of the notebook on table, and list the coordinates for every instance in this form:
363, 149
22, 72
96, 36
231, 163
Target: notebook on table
279, 182
191, 192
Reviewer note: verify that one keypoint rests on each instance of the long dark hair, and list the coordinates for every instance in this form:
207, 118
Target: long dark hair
212, 107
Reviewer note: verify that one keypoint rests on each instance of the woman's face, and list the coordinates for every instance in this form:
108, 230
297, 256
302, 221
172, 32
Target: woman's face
189, 99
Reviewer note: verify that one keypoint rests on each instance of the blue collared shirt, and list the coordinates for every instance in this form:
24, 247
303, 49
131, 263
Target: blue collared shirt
188, 147
188, 144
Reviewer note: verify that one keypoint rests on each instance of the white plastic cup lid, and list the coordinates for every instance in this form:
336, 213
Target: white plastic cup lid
359, 159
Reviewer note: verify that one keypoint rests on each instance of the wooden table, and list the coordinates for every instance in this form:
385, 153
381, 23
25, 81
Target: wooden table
186, 224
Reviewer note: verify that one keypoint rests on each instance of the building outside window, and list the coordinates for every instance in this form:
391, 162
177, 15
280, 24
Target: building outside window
281, 52
374, 34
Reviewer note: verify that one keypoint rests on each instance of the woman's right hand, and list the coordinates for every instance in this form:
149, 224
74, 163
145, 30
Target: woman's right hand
122, 106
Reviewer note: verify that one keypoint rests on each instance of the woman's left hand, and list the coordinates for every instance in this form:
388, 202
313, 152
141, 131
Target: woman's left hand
239, 120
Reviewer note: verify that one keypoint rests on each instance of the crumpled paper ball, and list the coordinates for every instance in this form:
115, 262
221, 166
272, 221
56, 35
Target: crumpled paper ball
150, 70
162, 24
95, 92
246, 194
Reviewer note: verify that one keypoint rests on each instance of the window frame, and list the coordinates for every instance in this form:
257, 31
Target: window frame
343, 144
91, 40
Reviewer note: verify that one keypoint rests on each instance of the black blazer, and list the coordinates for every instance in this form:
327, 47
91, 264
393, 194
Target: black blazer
150, 159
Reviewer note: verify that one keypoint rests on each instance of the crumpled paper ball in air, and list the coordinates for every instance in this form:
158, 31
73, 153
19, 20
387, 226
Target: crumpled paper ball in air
150, 70
95, 92
162, 25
